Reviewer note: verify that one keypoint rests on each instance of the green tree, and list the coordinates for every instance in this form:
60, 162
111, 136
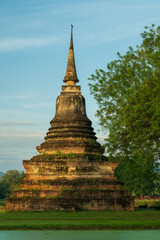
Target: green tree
10, 181
2, 190
156, 190
128, 97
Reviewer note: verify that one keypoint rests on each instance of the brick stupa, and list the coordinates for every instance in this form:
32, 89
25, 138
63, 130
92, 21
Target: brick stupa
70, 171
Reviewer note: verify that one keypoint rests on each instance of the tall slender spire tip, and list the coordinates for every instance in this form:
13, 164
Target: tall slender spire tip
71, 75
71, 41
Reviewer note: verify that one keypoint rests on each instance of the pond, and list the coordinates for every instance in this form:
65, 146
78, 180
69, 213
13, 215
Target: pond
80, 235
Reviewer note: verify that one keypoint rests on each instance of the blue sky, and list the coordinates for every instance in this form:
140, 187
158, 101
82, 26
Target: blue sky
34, 42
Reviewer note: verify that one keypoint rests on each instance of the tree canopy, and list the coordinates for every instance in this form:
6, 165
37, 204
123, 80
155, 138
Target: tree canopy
10, 181
128, 97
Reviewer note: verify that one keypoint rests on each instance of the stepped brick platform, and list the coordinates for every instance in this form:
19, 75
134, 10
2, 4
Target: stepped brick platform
70, 172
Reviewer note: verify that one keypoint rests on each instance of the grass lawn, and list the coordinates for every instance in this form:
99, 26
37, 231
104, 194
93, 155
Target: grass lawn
138, 219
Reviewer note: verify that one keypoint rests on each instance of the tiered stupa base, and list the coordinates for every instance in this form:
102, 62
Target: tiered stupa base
69, 182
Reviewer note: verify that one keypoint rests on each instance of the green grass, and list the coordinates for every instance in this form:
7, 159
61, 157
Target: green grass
79, 224
137, 214
140, 219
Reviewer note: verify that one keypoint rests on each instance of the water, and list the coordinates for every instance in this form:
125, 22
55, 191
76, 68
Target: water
80, 235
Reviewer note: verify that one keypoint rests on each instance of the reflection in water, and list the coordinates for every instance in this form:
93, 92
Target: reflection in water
80, 235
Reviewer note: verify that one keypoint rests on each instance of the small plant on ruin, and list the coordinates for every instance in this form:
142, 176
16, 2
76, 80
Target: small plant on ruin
92, 204
38, 181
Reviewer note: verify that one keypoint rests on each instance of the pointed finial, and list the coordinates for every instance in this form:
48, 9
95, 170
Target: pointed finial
71, 75
71, 42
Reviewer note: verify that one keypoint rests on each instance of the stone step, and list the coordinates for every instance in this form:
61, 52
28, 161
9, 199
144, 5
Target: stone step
74, 193
51, 204
110, 184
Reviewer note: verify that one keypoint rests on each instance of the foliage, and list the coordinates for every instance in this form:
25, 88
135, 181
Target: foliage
2, 202
147, 203
129, 109
2, 190
10, 181
156, 189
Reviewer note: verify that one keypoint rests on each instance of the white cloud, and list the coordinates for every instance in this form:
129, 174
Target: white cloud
20, 97
14, 123
7, 45
38, 105
31, 24
1, 161
23, 135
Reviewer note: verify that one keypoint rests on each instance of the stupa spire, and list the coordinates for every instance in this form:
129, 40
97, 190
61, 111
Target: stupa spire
71, 41
71, 75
